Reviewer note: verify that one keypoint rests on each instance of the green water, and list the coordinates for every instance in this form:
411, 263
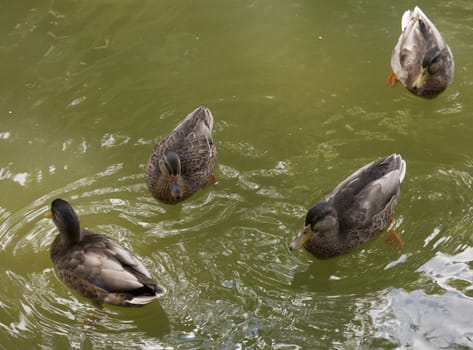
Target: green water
298, 93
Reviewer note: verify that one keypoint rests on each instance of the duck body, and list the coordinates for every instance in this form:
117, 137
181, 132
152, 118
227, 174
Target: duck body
358, 209
185, 160
97, 267
421, 59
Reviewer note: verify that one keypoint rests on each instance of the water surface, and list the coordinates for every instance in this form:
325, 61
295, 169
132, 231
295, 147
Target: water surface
299, 98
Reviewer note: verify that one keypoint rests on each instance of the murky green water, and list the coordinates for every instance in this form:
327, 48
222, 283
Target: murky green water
297, 89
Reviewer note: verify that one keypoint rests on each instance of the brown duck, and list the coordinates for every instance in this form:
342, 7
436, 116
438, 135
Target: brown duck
184, 161
421, 60
97, 267
358, 209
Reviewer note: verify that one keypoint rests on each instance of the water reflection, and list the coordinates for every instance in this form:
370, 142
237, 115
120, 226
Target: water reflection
438, 317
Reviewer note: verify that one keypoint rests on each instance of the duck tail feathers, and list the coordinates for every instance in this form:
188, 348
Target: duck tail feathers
406, 17
401, 166
146, 299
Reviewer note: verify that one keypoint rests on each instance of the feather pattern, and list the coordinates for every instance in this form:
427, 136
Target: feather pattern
191, 146
97, 267
357, 209
418, 40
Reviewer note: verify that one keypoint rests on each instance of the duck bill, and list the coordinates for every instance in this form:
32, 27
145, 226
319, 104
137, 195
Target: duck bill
301, 238
48, 214
421, 78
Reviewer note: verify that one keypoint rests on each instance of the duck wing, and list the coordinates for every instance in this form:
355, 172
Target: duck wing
368, 191
191, 140
196, 126
109, 266
198, 147
199, 120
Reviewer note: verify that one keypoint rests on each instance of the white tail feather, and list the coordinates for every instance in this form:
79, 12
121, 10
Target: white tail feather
402, 170
146, 299
406, 17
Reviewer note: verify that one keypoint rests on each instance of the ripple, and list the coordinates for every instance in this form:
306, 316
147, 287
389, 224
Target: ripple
80, 119
452, 273
439, 317
46, 311
52, 320
419, 320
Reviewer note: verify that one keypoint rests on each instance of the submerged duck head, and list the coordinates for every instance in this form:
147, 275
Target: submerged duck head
321, 219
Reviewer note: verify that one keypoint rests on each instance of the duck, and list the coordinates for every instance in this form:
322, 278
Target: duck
184, 161
421, 60
97, 267
358, 209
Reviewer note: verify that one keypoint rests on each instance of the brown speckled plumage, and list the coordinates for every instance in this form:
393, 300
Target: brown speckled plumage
421, 44
358, 209
184, 161
97, 267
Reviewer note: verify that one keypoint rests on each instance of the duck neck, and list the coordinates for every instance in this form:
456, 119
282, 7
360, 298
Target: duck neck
71, 232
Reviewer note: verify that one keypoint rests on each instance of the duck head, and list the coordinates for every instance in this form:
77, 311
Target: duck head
66, 220
321, 220
431, 64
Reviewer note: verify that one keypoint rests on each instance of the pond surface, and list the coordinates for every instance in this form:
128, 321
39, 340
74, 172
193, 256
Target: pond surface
298, 91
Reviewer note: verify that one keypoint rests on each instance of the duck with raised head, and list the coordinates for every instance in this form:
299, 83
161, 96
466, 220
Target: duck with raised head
97, 267
184, 161
421, 59
357, 209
